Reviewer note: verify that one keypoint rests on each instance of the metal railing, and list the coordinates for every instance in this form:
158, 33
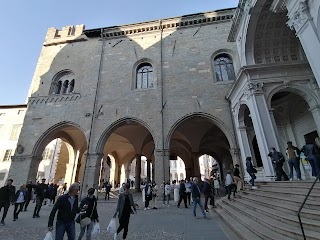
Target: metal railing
303, 203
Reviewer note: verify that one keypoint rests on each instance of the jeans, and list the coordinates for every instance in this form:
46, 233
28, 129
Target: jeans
16, 211
294, 163
168, 198
38, 206
184, 198
89, 230
107, 196
5, 205
206, 198
195, 202
68, 227
313, 160
189, 197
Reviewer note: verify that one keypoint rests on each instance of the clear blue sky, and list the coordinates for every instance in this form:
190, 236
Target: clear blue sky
25, 23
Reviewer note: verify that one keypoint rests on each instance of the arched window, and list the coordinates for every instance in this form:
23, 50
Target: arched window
61, 83
223, 68
71, 88
144, 76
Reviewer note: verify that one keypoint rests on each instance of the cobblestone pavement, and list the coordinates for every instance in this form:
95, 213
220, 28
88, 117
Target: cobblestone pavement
162, 223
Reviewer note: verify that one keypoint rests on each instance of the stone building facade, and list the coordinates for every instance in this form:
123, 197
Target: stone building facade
215, 83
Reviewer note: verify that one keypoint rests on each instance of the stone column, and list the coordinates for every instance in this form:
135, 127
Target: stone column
263, 126
153, 171
148, 169
188, 172
69, 172
91, 173
138, 173
196, 166
316, 116
301, 21
161, 165
23, 168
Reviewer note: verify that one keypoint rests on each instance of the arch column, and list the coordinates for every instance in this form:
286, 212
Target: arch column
196, 166
316, 116
148, 170
91, 172
23, 168
188, 173
137, 181
161, 165
263, 126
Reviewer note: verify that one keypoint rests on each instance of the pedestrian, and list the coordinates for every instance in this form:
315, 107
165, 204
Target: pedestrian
41, 191
229, 182
188, 191
121, 189
132, 183
182, 194
67, 208
7, 196
50, 193
64, 188
124, 209
208, 194
154, 194
148, 195
311, 151
196, 194
293, 155
108, 189
251, 170
277, 159
29, 188
90, 211
167, 191
237, 179
20, 198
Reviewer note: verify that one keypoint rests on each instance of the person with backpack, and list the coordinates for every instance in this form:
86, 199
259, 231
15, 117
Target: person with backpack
311, 151
293, 154
278, 159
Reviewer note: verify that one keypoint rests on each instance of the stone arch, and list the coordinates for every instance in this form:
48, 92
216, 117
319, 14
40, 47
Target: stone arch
106, 134
305, 93
52, 132
216, 121
60, 82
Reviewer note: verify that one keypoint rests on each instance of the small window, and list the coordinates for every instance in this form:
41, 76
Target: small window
15, 131
20, 112
144, 77
71, 31
7, 155
223, 68
61, 83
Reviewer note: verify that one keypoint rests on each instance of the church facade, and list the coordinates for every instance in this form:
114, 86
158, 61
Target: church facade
230, 83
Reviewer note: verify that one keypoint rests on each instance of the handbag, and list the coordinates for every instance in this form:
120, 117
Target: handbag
87, 220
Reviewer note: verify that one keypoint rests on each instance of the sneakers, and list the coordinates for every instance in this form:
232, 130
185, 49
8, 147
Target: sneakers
207, 210
2, 223
115, 236
291, 179
154, 208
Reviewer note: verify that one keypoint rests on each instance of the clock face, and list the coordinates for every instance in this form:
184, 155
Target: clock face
20, 149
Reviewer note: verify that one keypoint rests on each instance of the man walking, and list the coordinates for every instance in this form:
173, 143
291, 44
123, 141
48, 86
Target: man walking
148, 195
67, 207
237, 179
108, 189
208, 193
29, 187
278, 159
7, 196
182, 194
196, 193
293, 154
41, 191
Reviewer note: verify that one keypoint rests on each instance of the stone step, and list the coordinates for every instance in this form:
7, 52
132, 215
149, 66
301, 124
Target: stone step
251, 224
272, 224
296, 189
283, 206
242, 231
290, 200
288, 218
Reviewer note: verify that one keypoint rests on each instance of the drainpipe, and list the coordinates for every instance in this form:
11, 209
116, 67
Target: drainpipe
162, 98
94, 108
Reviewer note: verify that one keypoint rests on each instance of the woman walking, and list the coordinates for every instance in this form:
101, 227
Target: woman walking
90, 205
19, 201
125, 202
251, 170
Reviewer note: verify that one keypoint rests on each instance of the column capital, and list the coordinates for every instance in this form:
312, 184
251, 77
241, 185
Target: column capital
160, 152
95, 155
253, 88
298, 17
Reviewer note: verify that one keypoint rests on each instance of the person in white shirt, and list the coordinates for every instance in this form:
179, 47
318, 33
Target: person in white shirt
19, 203
229, 183
167, 191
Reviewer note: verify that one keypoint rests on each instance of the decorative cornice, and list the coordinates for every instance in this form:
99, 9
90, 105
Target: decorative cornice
164, 24
243, 7
299, 17
278, 5
253, 89
54, 98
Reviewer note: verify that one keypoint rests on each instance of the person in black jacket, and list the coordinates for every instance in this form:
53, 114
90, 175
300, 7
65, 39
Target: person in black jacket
7, 195
41, 191
208, 193
67, 207
277, 159
91, 212
251, 170
311, 151
182, 194
196, 194
29, 187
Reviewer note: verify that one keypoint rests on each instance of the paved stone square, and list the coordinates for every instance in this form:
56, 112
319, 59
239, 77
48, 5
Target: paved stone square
163, 223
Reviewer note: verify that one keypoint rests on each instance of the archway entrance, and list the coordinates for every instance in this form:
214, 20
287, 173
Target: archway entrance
132, 147
294, 122
58, 154
196, 136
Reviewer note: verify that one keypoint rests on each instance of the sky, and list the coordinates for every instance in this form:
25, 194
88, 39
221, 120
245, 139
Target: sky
24, 25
